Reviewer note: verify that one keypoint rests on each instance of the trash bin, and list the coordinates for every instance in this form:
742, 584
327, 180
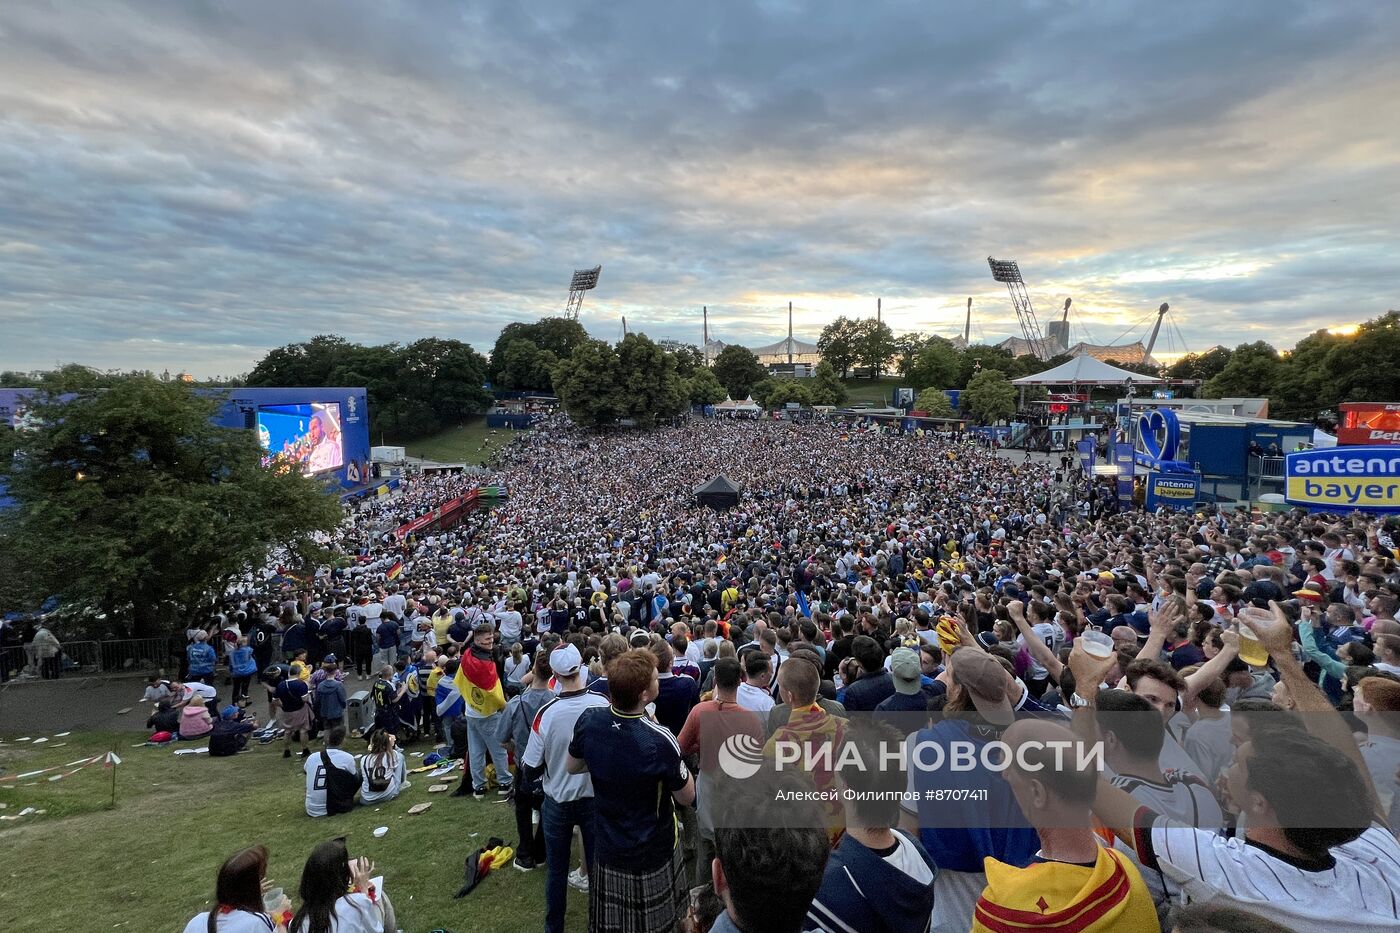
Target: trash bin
359, 713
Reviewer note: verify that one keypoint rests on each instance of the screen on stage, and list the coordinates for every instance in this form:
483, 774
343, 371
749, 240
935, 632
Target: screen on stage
305, 435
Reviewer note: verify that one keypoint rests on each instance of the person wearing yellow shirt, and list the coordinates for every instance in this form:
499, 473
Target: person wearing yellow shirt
1074, 884
442, 620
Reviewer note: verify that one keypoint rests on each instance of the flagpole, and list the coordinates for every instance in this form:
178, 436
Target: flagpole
112, 758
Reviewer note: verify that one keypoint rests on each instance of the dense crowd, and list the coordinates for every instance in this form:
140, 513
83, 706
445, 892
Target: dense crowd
596, 646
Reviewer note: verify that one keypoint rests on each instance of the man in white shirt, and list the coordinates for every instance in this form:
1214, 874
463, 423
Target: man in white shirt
395, 602
317, 780
568, 797
1316, 853
754, 693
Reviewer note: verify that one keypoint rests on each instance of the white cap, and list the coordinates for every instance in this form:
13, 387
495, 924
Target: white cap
565, 660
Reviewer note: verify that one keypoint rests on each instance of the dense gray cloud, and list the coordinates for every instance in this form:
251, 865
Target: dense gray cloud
186, 184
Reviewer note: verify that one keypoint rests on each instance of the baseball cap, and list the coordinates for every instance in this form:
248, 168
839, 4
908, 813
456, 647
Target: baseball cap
984, 679
904, 669
330, 659
229, 712
565, 660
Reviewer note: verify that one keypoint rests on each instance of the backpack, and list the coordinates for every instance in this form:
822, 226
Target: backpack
341, 786
376, 774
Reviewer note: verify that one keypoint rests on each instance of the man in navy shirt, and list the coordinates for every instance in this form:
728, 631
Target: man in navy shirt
875, 683
638, 775
677, 693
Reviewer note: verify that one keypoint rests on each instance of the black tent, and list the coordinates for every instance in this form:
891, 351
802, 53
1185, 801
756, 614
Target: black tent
719, 493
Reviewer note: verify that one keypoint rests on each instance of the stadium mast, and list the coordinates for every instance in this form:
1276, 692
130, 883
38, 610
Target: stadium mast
1152, 341
1006, 270
967, 325
583, 280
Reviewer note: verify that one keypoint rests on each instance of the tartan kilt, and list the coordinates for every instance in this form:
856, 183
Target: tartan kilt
636, 902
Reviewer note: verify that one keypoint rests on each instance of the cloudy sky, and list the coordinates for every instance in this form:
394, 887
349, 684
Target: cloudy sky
184, 184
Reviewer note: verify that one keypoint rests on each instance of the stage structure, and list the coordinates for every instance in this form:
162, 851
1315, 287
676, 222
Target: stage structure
584, 280
1006, 270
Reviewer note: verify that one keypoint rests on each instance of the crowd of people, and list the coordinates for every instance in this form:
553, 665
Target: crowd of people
590, 647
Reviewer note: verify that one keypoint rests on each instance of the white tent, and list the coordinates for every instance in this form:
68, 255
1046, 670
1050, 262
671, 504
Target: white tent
1322, 439
1085, 370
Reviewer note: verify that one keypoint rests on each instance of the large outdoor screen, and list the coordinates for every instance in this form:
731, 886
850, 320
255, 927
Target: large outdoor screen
307, 436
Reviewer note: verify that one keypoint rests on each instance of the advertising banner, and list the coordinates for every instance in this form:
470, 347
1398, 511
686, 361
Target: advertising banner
1085, 448
1172, 490
1123, 459
1343, 479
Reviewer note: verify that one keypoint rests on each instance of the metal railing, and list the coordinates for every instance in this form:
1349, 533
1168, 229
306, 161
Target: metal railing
124, 655
1266, 467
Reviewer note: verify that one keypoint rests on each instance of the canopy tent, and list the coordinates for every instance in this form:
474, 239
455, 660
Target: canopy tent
1085, 370
747, 405
719, 493
1322, 439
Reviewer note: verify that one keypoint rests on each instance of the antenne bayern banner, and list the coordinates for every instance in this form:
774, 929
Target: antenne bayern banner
1172, 490
1342, 479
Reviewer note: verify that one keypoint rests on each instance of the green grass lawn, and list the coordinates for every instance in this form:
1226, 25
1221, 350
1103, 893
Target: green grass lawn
150, 862
871, 392
461, 444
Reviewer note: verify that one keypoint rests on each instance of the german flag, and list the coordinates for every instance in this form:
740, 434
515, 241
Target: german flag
394, 571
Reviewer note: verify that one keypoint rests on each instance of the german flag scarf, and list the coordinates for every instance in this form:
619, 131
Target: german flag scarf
479, 683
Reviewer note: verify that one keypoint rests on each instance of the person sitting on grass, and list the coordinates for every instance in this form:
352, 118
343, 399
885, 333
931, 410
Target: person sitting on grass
337, 895
195, 721
238, 894
229, 736
332, 778
382, 769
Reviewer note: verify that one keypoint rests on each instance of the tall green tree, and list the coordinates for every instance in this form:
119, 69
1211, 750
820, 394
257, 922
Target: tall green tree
907, 347
587, 385
650, 389
981, 358
688, 356
827, 388
1253, 370
703, 388
738, 370
412, 391
779, 392
875, 346
839, 344
131, 503
989, 397
938, 364
934, 401
1202, 366
556, 334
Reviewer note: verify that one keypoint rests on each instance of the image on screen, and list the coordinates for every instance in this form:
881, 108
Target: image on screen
304, 436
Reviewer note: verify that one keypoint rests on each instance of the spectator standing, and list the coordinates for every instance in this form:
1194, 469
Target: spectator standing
242, 665
202, 658
638, 775
48, 652
568, 796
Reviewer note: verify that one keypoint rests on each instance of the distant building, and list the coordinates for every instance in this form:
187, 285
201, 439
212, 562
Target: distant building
1120, 353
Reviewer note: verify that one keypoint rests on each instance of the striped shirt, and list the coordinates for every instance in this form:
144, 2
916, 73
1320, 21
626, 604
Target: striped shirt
1361, 883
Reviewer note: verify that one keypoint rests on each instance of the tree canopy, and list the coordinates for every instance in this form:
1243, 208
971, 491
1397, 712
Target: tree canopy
412, 390
132, 503
989, 397
599, 384
934, 401
738, 370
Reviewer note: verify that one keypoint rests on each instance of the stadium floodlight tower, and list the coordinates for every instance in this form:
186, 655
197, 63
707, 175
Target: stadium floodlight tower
584, 280
1006, 270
